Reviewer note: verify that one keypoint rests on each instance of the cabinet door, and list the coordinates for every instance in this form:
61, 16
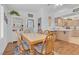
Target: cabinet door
69, 21
75, 33
59, 21
61, 35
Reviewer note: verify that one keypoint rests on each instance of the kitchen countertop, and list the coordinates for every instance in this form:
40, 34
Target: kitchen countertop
63, 29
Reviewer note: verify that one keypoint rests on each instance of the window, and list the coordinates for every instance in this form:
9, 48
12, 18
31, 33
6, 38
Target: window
30, 25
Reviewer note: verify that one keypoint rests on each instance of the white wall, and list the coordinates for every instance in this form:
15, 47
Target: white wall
3, 41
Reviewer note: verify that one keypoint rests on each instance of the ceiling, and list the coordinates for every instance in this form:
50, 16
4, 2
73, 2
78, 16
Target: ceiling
36, 7
26, 7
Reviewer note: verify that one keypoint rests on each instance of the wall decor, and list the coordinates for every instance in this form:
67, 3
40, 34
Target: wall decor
30, 15
5, 18
13, 12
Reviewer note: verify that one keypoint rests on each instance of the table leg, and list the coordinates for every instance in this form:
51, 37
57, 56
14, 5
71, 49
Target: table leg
32, 52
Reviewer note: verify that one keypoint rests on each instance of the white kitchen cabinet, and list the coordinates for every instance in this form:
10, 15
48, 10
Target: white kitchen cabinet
63, 35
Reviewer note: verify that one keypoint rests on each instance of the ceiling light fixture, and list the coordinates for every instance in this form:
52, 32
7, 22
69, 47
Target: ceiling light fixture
58, 4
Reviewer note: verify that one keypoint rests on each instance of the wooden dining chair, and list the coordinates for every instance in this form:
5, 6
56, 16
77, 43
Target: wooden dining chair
47, 47
25, 44
20, 49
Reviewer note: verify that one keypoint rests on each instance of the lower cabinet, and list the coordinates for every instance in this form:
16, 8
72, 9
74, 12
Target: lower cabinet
63, 35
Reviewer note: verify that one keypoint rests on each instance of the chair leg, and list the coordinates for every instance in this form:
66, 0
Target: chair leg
37, 53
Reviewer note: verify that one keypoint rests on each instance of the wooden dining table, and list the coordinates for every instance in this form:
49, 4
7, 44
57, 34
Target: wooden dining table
33, 39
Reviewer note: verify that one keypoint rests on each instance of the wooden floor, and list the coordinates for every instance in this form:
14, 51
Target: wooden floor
9, 50
66, 48
61, 47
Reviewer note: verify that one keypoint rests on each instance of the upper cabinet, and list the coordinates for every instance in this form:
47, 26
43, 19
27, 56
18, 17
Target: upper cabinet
61, 22
68, 22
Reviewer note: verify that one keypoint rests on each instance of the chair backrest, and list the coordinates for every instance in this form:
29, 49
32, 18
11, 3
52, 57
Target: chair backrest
46, 32
48, 44
27, 31
19, 42
25, 43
